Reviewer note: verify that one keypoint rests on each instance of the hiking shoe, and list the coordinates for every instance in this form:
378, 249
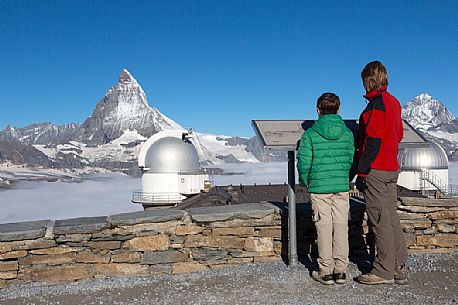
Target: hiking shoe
340, 278
327, 279
400, 275
372, 279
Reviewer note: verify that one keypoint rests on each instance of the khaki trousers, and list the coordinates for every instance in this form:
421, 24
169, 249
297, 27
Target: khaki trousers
331, 222
381, 207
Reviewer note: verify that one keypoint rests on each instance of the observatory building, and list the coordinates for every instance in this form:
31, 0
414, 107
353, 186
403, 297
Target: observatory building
170, 170
424, 164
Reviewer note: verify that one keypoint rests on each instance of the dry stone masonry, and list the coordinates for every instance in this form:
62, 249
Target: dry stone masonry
172, 241
429, 223
138, 244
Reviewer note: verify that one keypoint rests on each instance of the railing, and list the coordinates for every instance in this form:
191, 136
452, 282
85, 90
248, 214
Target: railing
429, 179
156, 198
453, 190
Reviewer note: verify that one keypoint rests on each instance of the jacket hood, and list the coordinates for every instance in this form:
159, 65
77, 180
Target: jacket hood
330, 126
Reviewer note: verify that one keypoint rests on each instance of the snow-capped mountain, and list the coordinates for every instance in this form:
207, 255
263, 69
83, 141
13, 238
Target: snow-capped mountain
124, 107
111, 137
425, 112
433, 120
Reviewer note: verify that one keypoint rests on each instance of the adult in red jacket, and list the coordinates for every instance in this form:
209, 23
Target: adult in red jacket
378, 170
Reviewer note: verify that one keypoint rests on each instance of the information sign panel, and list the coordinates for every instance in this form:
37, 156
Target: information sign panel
285, 134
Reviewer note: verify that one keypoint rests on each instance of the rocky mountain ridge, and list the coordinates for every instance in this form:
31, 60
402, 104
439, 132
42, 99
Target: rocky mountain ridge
41, 133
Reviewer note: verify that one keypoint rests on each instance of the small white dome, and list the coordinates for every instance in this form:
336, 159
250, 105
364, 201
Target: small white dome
428, 156
172, 155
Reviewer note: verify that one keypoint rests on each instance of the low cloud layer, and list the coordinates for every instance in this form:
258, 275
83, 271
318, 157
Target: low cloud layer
251, 173
111, 194
453, 173
105, 195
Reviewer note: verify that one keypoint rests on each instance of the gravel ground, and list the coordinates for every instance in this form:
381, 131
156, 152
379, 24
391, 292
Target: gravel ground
433, 279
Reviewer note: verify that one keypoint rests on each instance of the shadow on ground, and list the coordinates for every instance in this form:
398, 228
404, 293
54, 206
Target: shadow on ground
361, 245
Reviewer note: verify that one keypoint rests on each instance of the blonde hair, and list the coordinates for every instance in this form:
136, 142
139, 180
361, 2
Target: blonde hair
374, 76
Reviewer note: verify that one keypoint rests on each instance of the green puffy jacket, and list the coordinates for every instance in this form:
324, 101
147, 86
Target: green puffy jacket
325, 156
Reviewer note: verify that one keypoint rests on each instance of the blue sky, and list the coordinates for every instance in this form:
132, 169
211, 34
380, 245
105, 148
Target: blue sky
215, 65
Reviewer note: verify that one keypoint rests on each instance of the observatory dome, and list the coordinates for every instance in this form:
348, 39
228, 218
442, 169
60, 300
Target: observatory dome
172, 155
428, 156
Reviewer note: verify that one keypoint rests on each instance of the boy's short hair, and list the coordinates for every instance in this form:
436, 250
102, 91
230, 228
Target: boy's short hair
328, 103
374, 76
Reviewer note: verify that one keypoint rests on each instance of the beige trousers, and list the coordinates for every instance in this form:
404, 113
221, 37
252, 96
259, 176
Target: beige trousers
331, 222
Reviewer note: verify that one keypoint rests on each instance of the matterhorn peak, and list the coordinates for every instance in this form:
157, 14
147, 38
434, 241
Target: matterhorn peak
124, 107
126, 77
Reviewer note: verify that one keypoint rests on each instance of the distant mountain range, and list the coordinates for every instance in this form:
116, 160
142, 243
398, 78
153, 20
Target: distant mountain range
111, 137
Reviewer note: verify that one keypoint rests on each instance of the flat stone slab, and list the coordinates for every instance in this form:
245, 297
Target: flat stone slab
202, 254
163, 257
420, 209
80, 225
240, 211
23, 230
428, 202
145, 217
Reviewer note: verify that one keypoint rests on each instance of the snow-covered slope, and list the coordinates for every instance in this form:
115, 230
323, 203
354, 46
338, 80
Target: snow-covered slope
224, 149
118, 155
123, 149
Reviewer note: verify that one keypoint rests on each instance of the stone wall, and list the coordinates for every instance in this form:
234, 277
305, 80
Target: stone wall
176, 241
139, 243
429, 223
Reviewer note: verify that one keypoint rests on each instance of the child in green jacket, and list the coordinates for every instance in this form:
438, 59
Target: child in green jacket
324, 159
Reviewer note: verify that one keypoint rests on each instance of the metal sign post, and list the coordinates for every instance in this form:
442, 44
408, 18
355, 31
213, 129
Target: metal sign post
292, 236
283, 136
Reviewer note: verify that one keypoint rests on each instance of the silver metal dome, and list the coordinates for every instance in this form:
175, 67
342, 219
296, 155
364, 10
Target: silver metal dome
427, 156
172, 155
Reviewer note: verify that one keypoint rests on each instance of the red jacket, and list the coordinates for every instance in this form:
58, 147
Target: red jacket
380, 132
